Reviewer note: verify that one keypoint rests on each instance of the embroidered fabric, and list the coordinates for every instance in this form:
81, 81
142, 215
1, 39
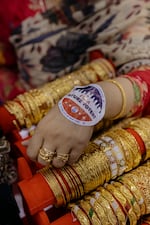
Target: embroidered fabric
58, 41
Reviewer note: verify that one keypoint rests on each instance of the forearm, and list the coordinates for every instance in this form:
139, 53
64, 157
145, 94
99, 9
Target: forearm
113, 96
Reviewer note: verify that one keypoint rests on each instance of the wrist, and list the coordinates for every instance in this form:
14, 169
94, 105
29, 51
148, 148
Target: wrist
84, 105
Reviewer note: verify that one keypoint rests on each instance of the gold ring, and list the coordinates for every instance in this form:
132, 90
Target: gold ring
63, 157
46, 155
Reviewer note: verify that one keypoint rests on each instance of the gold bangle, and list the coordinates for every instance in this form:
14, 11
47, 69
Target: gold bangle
134, 190
109, 66
101, 73
114, 204
131, 199
112, 161
141, 126
28, 118
106, 206
80, 214
74, 175
124, 101
90, 74
71, 184
36, 95
99, 210
142, 174
118, 153
33, 108
63, 186
54, 186
128, 207
133, 179
90, 212
17, 110
91, 169
121, 200
131, 144
127, 152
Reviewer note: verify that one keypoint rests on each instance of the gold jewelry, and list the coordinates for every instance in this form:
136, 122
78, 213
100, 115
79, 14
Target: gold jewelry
130, 197
141, 126
17, 110
114, 204
141, 179
127, 206
106, 206
46, 155
28, 116
71, 184
90, 212
92, 169
124, 103
80, 214
63, 185
90, 74
127, 151
118, 153
77, 183
63, 157
109, 66
127, 181
101, 73
131, 144
54, 186
97, 207
112, 160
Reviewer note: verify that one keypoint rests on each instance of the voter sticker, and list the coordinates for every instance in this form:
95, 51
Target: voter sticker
84, 105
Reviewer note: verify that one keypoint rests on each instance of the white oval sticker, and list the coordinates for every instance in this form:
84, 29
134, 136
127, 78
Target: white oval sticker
84, 105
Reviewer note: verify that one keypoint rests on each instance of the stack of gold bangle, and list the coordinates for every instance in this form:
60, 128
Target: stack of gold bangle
108, 156
141, 126
128, 142
126, 200
30, 107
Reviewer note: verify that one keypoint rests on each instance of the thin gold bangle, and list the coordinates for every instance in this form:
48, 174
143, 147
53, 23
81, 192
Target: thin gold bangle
54, 186
62, 185
124, 102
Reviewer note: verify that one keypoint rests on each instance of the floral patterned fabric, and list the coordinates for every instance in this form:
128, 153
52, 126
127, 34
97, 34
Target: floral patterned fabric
54, 43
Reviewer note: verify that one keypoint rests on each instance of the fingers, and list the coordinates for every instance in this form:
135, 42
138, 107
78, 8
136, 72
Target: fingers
75, 154
34, 145
46, 153
61, 156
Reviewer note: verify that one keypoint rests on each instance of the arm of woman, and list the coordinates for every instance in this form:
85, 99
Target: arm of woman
63, 141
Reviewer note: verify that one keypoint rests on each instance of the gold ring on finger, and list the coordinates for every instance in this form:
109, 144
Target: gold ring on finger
46, 155
63, 157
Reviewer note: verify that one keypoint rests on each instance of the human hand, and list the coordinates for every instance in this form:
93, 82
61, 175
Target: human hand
62, 139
